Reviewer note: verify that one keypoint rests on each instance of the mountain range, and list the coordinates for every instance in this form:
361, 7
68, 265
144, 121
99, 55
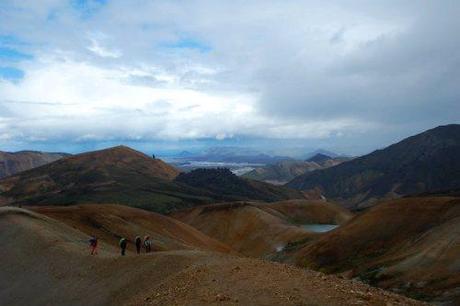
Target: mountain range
408, 245
121, 175
228, 154
426, 162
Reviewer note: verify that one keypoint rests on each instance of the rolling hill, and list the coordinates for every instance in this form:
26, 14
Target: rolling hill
14, 162
111, 222
422, 163
284, 171
409, 245
61, 272
261, 229
122, 175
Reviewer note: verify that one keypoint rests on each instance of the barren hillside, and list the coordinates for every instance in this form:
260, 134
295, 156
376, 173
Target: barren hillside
61, 272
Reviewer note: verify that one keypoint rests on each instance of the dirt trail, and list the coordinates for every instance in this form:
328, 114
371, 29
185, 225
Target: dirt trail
45, 262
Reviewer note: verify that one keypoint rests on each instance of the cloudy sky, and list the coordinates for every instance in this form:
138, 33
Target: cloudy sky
349, 76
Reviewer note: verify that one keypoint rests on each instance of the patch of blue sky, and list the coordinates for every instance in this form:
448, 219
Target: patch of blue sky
13, 55
87, 8
189, 43
11, 73
8, 40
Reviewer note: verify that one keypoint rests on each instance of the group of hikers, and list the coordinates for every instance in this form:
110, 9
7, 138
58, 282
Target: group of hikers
146, 243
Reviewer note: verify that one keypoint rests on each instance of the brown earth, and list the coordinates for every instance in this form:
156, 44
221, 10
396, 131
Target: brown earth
111, 222
259, 229
45, 262
410, 245
124, 176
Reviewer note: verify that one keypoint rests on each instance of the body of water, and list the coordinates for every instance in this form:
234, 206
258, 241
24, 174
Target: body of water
319, 228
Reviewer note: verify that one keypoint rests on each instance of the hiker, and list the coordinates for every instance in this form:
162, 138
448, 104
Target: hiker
138, 241
123, 244
147, 244
93, 245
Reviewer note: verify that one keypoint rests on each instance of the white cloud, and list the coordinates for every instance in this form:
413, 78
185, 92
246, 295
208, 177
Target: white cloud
97, 49
267, 69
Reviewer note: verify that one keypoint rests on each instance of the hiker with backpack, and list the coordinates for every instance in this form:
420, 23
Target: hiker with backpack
93, 245
138, 241
123, 245
147, 244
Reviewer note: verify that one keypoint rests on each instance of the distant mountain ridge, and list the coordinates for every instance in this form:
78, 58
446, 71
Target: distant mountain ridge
15, 162
231, 155
286, 170
121, 175
422, 163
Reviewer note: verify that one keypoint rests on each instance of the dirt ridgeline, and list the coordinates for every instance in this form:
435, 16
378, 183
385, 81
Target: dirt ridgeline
258, 230
111, 222
46, 262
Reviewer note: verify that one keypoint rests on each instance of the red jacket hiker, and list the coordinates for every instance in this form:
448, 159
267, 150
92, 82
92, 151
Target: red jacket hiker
93, 245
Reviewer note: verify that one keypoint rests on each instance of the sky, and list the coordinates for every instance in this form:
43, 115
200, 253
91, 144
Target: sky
281, 76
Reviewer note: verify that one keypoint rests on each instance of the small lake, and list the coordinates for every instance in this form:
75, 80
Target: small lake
319, 228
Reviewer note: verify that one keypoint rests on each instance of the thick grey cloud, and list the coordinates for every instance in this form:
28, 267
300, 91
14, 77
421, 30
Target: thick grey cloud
334, 74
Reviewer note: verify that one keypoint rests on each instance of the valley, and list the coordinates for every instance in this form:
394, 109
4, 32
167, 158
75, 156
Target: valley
210, 228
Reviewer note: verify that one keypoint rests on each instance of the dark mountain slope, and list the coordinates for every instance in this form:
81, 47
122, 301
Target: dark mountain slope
12, 163
318, 158
119, 175
228, 186
422, 163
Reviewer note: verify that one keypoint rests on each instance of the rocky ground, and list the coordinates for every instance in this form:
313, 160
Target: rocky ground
46, 262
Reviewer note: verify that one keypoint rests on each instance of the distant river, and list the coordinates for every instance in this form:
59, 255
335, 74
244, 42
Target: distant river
319, 228
237, 168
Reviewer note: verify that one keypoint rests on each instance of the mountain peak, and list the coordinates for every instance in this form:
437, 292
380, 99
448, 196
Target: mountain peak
319, 158
425, 162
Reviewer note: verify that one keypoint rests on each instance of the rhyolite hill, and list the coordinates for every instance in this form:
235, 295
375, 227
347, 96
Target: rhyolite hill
121, 175
426, 162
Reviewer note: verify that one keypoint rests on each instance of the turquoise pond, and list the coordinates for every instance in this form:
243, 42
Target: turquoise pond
319, 228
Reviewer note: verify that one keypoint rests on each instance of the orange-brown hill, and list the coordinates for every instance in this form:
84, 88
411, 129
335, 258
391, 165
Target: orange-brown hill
124, 176
259, 230
45, 262
410, 245
111, 222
